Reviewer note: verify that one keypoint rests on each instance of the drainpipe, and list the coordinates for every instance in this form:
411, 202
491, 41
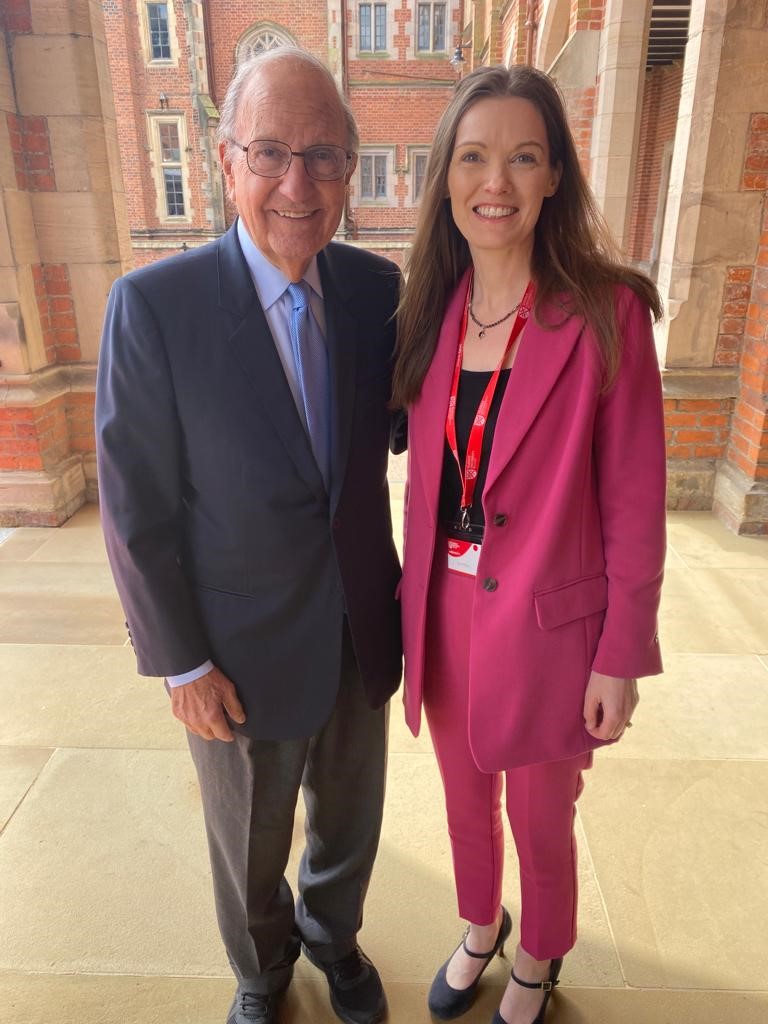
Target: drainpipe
530, 25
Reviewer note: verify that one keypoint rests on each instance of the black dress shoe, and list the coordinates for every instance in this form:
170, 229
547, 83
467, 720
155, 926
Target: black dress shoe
255, 1008
446, 1002
355, 988
547, 987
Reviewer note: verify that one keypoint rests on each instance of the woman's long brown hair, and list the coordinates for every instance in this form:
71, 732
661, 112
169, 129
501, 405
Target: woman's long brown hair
573, 253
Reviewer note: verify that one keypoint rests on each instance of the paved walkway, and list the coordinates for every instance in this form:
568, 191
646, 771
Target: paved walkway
105, 906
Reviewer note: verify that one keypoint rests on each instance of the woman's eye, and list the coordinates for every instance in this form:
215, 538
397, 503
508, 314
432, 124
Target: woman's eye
469, 158
524, 158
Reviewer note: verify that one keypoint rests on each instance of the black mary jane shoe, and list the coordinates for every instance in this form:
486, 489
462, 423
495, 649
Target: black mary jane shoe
547, 987
446, 1002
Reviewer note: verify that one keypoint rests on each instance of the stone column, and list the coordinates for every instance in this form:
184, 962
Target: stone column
711, 261
63, 240
620, 74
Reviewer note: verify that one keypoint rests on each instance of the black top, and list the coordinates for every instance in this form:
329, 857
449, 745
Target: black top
472, 385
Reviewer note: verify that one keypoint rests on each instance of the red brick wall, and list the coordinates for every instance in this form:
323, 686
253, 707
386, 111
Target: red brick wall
15, 16
661, 100
587, 14
31, 148
56, 309
697, 428
748, 443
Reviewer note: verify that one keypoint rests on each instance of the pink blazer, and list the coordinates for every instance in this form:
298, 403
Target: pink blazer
571, 567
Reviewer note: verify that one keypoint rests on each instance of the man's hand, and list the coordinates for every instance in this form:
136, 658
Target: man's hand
608, 705
200, 705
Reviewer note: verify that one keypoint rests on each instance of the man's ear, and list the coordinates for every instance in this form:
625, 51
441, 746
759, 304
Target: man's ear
225, 155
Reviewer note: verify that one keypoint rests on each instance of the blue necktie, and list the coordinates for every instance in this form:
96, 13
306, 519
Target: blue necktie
311, 358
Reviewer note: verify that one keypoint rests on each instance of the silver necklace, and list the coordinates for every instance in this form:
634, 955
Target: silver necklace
487, 327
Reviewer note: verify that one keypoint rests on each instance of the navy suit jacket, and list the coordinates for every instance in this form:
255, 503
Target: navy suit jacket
222, 539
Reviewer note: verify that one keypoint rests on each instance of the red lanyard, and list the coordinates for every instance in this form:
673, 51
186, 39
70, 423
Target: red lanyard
468, 474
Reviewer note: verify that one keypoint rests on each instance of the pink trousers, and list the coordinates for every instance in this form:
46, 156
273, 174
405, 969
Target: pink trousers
540, 798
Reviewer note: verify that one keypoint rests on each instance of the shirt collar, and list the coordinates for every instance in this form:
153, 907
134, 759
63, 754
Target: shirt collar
269, 282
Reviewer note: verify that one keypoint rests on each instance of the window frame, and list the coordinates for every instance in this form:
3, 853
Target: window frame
432, 5
374, 153
414, 154
145, 33
159, 165
373, 50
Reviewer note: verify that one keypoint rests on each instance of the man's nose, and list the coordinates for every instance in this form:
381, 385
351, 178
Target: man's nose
295, 184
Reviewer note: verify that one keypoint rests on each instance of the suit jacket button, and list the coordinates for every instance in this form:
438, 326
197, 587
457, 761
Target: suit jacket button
489, 583
499, 519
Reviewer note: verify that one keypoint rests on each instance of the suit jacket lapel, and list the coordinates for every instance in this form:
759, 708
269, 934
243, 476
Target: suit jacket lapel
541, 358
341, 329
255, 351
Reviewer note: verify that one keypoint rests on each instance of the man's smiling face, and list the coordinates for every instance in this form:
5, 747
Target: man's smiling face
290, 218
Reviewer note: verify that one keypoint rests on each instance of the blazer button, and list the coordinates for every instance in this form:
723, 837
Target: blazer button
499, 519
489, 583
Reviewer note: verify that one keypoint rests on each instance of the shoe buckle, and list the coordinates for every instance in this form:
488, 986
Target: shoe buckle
546, 986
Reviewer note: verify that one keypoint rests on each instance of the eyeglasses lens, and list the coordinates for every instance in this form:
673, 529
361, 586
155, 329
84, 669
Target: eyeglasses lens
272, 159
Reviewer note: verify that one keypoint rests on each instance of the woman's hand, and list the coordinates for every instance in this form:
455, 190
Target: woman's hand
608, 705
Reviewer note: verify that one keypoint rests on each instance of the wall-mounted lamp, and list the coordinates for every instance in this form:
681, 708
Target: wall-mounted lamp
163, 101
458, 57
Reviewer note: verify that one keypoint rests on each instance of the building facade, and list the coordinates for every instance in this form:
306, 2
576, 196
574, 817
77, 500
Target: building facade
668, 100
171, 63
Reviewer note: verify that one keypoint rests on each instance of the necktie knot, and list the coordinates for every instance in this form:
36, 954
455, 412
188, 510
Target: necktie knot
298, 293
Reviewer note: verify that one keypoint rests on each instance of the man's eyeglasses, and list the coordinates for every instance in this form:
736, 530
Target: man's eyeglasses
271, 159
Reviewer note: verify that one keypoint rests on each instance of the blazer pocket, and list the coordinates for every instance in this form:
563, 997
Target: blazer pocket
571, 601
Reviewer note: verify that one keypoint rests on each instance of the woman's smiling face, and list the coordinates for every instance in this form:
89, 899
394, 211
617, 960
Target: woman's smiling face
500, 174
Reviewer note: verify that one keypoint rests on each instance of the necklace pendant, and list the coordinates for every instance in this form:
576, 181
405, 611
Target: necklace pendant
482, 333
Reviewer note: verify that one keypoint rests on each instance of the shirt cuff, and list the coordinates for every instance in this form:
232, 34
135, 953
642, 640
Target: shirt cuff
189, 677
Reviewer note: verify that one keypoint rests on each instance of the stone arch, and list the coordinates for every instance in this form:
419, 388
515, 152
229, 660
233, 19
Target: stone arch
263, 36
554, 26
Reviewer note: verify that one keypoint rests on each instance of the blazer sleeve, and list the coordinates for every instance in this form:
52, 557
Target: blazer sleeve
630, 459
139, 453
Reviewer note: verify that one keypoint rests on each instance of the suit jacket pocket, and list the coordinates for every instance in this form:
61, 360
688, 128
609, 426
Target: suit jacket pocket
570, 601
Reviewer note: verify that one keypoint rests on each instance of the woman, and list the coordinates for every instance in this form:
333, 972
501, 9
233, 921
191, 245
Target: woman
535, 510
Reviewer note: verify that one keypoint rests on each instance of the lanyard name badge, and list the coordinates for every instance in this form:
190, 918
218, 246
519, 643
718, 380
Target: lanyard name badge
464, 555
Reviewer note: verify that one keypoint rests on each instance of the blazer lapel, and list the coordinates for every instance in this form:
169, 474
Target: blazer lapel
428, 414
341, 329
541, 358
254, 348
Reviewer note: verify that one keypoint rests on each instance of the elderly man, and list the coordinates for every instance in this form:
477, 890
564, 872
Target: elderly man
242, 430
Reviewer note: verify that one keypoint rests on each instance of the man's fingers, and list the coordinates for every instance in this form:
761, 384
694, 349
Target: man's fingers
233, 707
220, 730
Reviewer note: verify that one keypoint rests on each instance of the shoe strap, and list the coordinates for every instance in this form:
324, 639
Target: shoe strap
476, 956
544, 986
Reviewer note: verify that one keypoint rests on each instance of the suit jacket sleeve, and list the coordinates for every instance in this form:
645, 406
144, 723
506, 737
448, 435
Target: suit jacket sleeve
140, 457
631, 480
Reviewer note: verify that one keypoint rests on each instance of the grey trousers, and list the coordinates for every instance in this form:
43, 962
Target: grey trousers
249, 790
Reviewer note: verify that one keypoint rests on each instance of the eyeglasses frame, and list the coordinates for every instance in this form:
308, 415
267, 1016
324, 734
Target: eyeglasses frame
302, 153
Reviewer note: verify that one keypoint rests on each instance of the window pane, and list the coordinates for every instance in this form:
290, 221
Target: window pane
366, 177
423, 34
160, 40
381, 177
365, 26
438, 37
419, 172
170, 151
380, 41
174, 193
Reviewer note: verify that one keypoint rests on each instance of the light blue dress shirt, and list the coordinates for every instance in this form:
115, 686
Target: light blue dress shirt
271, 284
